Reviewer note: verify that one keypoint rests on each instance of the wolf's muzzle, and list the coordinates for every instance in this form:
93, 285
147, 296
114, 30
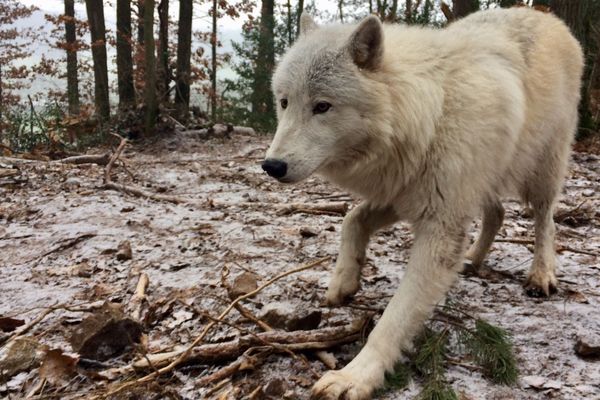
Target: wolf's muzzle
275, 168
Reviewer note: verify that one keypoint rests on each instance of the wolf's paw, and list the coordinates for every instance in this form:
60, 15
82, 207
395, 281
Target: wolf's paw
340, 385
541, 284
341, 288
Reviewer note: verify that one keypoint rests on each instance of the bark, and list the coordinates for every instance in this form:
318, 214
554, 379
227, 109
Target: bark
289, 21
95, 13
462, 8
213, 71
184, 52
163, 51
71, 40
140, 22
124, 55
150, 69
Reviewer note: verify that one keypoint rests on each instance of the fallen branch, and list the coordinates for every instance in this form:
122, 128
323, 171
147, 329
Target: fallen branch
100, 159
218, 131
329, 208
183, 355
278, 340
559, 246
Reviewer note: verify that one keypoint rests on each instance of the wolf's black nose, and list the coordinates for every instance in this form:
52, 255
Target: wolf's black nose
275, 168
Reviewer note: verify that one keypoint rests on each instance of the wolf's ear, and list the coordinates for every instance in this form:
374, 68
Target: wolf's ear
307, 23
366, 43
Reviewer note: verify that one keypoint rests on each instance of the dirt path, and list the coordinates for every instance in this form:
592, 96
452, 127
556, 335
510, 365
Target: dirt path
59, 231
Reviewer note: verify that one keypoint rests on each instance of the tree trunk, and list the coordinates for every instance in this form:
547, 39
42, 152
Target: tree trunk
508, 3
124, 55
262, 98
462, 8
408, 12
341, 10
95, 13
394, 11
163, 51
184, 52
71, 40
150, 69
213, 72
289, 21
300, 11
575, 13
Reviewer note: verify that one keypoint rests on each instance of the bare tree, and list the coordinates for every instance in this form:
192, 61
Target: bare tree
124, 55
164, 74
150, 69
213, 71
71, 46
298, 14
95, 13
184, 52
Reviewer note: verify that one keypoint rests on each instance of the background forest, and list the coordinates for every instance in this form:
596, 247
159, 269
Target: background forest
144, 254
157, 70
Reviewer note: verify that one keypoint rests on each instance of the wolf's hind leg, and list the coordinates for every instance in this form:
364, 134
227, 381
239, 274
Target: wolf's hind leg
493, 215
542, 275
358, 226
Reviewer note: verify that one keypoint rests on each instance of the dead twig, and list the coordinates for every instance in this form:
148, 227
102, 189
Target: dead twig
327, 359
184, 355
139, 297
109, 184
244, 362
66, 244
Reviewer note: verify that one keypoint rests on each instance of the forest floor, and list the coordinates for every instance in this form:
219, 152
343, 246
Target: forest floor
62, 257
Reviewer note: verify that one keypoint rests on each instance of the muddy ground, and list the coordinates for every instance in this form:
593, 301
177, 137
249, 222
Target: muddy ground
60, 230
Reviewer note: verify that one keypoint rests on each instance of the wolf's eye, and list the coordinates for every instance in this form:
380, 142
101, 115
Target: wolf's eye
321, 107
283, 103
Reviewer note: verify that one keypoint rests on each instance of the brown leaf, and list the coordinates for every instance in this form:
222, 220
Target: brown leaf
8, 324
57, 368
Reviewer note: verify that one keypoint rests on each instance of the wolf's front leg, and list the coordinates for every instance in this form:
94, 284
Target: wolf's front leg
358, 226
436, 258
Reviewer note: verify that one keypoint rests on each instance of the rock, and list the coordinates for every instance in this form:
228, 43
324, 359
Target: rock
106, 333
588, 345
534, 381
275, 388
8, 324
286, 316
20, 355
124, 251
307, 232
243, 284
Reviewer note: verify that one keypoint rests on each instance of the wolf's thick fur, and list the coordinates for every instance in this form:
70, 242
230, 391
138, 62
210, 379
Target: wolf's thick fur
428, 126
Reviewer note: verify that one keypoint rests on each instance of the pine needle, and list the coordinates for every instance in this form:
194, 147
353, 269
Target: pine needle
438, 390
491, 348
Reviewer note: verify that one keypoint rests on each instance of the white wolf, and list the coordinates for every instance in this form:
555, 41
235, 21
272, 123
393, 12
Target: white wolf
428, 126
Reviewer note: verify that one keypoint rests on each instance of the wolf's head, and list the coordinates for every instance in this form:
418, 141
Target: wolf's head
322, 98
